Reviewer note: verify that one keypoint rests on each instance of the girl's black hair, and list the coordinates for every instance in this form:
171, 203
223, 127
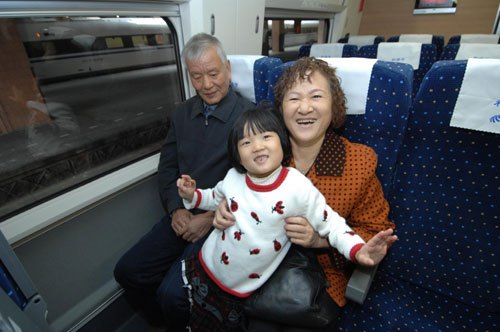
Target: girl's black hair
264, 117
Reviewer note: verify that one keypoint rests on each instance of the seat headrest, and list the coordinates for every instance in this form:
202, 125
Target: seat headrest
467, 51
416, 38
361, 40
478, 102
400, 52
333, 50
479, 38
354, 74
242, 74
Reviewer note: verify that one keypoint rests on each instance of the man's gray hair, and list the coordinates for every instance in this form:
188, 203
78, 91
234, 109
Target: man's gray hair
198, 45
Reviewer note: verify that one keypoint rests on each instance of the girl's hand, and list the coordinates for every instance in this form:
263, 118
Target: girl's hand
186, 187
300, 232
223, 217
374, 250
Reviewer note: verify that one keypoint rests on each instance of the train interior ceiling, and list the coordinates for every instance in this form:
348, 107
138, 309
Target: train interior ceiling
86, 91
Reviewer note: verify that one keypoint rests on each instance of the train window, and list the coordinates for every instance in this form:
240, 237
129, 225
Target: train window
114, 42
283, 37
80, 97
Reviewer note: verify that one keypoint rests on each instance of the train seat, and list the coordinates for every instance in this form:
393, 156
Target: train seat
469, 50
333, 50
420, 38
384, 108
250, 75
362, 40
442, 274
379, 112
475, 38
304, 50
420, 56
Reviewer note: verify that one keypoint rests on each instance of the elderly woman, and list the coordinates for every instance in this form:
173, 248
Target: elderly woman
312, 103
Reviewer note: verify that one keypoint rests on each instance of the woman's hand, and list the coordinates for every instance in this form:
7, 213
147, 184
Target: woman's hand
300, 232
223, 217
374, 250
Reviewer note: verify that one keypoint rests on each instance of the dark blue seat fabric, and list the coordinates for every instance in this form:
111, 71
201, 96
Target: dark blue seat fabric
428, 57
450, 52
442, 274
436, 40
383, 125
262, 76
304, 50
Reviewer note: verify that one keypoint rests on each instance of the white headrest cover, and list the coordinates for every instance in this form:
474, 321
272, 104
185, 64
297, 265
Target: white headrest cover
478, 102
416, 38
242, 74
487, 51
327, 50
479, 39
354, 74
400, 52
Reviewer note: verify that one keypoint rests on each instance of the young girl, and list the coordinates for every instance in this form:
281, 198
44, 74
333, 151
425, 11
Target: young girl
261, 194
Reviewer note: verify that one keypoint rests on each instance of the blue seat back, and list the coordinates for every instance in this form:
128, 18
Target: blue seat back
383, 125
428, 56
446, 199
304, 50
250, 75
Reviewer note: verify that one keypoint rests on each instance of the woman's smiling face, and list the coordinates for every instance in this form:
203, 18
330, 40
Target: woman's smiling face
307, 109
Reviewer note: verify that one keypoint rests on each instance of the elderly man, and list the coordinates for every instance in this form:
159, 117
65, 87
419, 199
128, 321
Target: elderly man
196, 144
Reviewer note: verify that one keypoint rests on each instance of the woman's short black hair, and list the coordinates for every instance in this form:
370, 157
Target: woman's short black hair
264, 117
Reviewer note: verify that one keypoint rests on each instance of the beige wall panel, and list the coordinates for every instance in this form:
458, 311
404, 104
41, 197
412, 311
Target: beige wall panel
390, 18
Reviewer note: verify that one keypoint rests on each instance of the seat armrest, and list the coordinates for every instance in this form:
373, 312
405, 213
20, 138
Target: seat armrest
360, 282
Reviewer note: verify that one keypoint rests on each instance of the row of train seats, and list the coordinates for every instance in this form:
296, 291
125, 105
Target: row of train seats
442, 275
438, 165
419, 50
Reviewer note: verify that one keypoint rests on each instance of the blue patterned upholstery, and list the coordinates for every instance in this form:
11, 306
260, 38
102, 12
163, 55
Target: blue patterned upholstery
454, 40
428, 57
304, 50
247, 69
276, 73
368, 51
436, 40
350, 51
450, 52
442, 275
262, 76
383, 125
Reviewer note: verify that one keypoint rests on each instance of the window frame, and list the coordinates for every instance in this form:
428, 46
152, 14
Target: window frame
43, 216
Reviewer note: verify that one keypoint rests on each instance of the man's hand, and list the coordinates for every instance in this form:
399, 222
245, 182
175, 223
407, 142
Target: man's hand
199, 226
180, 219
374, 250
